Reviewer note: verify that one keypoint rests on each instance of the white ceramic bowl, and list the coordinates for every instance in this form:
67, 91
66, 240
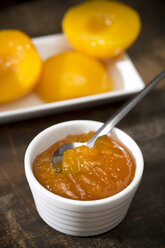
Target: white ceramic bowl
80, 218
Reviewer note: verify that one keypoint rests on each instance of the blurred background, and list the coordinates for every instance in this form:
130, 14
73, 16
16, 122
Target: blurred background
43, 17
20, 225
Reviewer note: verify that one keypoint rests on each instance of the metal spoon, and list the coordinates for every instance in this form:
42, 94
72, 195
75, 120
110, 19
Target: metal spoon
56, 158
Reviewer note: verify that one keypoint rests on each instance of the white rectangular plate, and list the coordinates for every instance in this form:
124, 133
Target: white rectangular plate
122, 71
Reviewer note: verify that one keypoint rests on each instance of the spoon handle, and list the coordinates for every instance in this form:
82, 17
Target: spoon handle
116, 117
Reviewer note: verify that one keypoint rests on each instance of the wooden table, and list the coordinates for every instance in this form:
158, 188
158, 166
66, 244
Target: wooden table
144, 226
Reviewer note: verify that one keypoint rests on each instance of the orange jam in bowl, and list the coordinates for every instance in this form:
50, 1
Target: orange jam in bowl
87, 174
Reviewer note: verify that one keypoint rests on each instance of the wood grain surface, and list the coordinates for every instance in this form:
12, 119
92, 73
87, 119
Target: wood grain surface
144, 226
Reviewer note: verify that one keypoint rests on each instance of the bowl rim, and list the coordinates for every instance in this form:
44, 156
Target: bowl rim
31, 178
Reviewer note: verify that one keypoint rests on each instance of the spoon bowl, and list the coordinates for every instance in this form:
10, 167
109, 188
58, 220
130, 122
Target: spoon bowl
59, 152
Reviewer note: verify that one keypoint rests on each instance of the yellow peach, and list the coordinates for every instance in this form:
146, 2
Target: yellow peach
101, 29
71, 74
20, 65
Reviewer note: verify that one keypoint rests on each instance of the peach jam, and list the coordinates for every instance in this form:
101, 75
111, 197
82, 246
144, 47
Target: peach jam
87, 174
